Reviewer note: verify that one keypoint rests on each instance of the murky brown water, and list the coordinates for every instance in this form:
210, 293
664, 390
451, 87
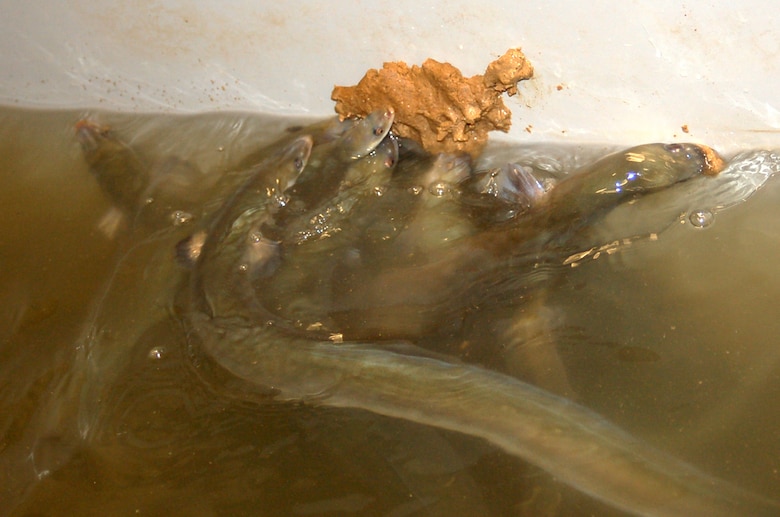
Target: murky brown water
674, 339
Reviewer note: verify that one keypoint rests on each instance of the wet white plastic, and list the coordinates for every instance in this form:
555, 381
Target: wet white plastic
630, 71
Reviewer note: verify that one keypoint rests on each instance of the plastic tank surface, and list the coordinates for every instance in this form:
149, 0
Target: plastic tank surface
623, 326
607, 71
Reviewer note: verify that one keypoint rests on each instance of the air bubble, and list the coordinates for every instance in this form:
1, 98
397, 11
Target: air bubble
180, 217
157, 353
701, 218
439, 189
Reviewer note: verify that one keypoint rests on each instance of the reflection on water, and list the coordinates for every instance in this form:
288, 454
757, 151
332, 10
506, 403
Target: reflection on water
671, 337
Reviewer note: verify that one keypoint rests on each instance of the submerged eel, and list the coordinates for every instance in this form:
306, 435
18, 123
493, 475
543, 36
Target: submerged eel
574, 444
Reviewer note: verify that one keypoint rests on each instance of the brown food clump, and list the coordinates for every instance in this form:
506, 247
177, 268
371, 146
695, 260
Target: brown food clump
434, 104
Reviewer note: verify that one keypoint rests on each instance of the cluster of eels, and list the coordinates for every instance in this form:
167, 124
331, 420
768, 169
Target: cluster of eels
319, 271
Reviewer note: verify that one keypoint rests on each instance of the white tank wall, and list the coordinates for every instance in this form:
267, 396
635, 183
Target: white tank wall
631, 71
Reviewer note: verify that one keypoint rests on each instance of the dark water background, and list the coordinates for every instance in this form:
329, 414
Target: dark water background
674, 339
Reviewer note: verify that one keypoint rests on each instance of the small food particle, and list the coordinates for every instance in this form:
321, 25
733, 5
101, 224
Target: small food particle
684, 128
559, 87
714, 162
434, 104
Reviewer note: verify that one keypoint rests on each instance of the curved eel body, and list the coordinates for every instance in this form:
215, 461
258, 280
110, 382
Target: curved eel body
248, 238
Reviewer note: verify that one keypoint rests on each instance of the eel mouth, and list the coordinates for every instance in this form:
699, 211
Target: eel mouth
89, 134
713, 162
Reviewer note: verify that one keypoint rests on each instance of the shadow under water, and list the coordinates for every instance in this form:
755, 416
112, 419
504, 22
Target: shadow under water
662, 327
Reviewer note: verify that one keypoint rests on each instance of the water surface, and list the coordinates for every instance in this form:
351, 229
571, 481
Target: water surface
672, 337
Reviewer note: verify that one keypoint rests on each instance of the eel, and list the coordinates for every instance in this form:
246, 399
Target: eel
242, 245
571, 442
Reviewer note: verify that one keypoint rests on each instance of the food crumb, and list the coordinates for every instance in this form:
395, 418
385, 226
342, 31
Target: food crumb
435, 105
684, 128
528, 128
559, 87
